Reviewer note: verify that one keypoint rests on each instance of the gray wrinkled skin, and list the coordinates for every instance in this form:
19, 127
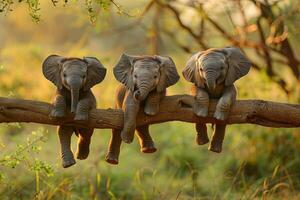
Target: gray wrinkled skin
73, 78
213, 73
144, 81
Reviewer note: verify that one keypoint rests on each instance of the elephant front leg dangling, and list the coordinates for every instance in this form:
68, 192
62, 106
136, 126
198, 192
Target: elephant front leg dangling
213, 73
74, 78
144, 81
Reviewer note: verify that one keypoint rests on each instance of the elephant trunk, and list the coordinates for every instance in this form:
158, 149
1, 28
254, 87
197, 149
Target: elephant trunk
74, 99
142, 92
211, 84
211, 79
137, 94
74, 87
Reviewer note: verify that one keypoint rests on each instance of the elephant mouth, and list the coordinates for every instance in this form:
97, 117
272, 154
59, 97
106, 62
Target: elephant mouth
220, 80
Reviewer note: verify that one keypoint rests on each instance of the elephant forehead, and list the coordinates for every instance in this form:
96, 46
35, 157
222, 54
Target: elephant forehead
77, 65
212, 55
146, 64
211, 63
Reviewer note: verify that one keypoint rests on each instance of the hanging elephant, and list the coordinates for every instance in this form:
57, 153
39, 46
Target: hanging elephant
144, 81
74, 78
213, 73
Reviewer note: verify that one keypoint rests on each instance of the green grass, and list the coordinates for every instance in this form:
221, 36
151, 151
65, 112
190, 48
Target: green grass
256, 163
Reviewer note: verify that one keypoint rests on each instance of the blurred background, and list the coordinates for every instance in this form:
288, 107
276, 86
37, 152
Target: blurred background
256, 162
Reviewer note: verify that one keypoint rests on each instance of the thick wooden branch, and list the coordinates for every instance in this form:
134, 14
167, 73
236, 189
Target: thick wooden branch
173, 108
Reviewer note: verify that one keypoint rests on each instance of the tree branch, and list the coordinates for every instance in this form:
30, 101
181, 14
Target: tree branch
173, 108
197, 37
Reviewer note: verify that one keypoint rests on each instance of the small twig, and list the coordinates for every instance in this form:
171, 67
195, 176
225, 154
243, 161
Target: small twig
171, 35
197, 37
120, 10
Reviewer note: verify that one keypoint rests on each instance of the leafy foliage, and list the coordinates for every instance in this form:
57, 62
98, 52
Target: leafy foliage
93, 7
33, 7
25, 155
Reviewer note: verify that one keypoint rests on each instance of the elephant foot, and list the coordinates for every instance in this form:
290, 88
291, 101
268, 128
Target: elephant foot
82, 154
83, 149
150, 111
148, 149
201, 139
215, 147
111, 158
57, 113
221, 115
68, 161
201, 112
81, 117
126, 136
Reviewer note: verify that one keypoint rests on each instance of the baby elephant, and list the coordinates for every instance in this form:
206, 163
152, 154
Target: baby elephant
213, 72
144, 79
73, 78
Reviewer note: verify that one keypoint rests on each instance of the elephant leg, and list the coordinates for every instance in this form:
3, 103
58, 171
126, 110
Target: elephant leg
217, 138
152, 103
201, 103
130, 112
59, 106
82, 111
225, 102
112, 156
202, 137
83, 143
145, 139
65, 134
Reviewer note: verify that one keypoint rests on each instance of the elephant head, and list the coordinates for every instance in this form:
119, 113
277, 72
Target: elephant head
216, 66
143, 74
74, 74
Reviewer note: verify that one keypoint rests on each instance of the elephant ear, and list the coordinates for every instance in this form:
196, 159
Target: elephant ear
191, 71
95, 72
168, 73
123, 71
238, 65
51, 69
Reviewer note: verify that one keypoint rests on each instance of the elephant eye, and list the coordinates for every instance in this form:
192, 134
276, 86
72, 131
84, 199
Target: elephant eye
155, 76
201, 69
65, 74
135, 76
83, 76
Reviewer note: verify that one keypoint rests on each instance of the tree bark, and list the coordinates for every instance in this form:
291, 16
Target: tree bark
172, 108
